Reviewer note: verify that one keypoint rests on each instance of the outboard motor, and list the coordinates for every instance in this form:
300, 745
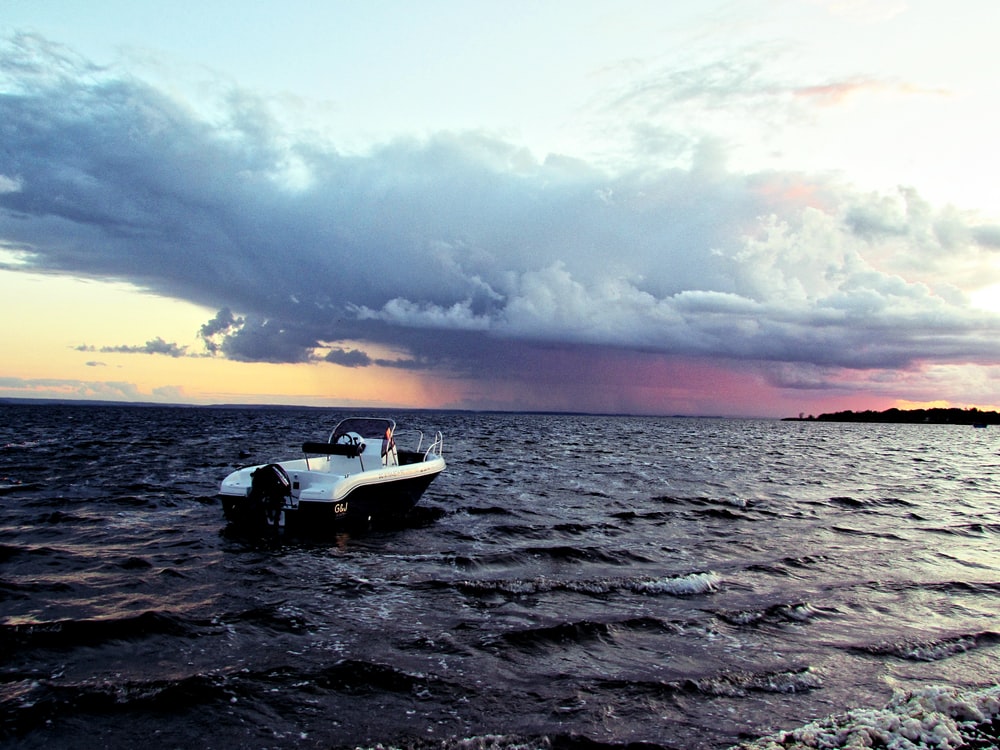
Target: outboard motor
269, 488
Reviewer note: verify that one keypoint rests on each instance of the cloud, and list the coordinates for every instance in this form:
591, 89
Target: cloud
348, 357
68, 388
223, 324
268, 340
837, 92
153, 346
987, 236
169, 394
464, 252
9, 185
864, 11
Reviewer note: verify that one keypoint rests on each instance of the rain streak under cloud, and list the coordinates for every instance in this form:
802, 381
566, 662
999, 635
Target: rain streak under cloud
465, 256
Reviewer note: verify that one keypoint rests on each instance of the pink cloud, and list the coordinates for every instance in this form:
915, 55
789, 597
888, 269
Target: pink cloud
832, 94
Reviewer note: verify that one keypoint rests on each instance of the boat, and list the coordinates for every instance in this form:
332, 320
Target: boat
358, 476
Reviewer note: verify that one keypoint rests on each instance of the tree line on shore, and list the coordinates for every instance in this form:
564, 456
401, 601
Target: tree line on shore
971, 416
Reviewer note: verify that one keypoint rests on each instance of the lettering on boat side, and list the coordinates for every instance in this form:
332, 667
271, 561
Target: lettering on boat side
340, 508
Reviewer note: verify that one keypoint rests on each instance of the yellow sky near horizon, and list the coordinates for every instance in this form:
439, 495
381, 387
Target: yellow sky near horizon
53, 316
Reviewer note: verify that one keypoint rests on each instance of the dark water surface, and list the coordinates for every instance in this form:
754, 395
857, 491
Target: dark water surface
567, 581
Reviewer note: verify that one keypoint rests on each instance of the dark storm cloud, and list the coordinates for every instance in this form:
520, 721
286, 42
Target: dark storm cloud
460, 250
268, 340
223, 324
348, 357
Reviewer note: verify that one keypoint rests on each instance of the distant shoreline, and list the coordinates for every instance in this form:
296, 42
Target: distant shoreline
907, 416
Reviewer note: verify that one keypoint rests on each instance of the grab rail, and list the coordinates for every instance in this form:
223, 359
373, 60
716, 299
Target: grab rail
436, 447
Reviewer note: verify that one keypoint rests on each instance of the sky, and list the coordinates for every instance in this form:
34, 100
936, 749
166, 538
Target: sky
753, 208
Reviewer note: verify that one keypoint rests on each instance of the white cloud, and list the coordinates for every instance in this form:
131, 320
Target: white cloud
9, 184
399, 311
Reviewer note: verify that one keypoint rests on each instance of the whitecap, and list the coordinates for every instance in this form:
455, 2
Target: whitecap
686, 585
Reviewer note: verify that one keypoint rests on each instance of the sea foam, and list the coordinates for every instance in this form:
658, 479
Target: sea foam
943, 718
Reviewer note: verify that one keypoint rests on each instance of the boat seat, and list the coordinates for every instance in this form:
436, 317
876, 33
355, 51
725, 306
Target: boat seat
330, 449
368, 451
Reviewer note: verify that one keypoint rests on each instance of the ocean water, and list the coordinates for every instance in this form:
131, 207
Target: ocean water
568, 582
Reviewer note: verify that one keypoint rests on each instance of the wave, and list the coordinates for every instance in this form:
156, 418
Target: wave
690, 584
978, 588
567, 632
525, 531
583, 631
853, 503
29, 703
740, 684
273, 617
976, 529
492, 510
571, 553
631, 515
496, 742
776, 614
847, 531
726, 684
785, 566
69, 634
521, 531
23, 445
724, 513
931, 650
738, 503
572, 741
558, 553
61, 517
8, 487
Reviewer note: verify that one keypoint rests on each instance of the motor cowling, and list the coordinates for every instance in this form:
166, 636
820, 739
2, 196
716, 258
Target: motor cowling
270, 487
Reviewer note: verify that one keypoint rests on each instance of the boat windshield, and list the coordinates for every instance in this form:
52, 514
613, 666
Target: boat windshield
370, 428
